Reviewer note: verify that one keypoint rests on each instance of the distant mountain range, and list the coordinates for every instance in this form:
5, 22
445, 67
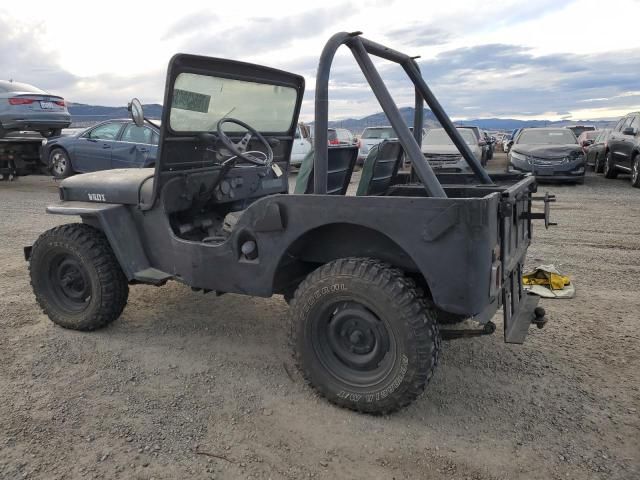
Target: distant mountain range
85, 115
357, 125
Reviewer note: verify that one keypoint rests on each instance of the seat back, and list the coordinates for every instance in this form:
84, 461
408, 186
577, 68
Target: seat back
341, 161
380, 168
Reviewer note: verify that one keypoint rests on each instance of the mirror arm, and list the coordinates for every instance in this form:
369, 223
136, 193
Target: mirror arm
151, 123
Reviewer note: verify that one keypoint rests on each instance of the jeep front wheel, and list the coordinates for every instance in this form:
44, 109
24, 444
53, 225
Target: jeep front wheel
76, 278
364, 336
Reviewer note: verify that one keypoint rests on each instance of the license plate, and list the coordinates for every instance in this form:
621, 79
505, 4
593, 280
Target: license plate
46, 105
544, 171
436, 164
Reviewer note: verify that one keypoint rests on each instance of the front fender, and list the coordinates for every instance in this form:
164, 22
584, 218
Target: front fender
117, 223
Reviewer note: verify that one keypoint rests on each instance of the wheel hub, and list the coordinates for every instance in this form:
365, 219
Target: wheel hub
70, 282
356, 337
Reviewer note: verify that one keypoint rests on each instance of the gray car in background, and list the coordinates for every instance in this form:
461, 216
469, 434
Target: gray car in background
443, 155
25, 107
548, 153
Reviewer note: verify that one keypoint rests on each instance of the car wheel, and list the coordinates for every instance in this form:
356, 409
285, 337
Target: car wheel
60, 164
76, 278
635, 172
364, 336
609, 167
596, 163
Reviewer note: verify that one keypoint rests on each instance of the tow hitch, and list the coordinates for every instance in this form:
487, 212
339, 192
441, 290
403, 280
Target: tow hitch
546, 215
539, 318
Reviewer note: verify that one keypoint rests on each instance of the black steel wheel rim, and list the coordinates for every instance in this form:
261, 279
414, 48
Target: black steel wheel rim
69, 282
353, 344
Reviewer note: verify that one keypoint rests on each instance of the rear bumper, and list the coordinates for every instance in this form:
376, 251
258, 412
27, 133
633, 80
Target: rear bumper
63, 121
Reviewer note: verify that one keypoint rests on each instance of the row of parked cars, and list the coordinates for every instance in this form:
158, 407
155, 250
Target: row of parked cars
562, 154
550, 153
437, 147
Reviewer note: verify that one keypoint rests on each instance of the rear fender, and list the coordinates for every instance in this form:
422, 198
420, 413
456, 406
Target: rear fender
117, 224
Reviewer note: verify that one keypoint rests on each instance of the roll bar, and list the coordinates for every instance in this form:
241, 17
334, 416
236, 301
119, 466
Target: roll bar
361, 48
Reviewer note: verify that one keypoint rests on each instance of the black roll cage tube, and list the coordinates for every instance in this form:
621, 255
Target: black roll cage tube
361, 48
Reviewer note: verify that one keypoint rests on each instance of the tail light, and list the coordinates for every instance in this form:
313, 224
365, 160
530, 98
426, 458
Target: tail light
60, 103
20, 101
334, 142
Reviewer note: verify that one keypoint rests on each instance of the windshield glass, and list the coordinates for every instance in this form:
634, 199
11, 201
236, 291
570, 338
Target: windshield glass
534, 136
439, 137
200, 101
379, 133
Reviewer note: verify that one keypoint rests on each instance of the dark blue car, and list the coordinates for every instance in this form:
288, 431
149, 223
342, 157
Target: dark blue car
110, 144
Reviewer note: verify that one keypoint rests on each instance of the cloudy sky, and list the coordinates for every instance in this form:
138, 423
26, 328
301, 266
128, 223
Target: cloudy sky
546, 59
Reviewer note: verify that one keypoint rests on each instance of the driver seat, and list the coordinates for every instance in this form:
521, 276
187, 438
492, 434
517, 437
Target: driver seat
125, 186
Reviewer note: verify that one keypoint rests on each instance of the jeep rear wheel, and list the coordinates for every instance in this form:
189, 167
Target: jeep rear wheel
635, 171
76, 278
364, 336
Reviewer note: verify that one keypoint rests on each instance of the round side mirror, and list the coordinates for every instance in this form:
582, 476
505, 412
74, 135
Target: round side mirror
137, 114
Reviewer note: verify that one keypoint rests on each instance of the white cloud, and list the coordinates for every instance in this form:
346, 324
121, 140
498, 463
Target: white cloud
93, 53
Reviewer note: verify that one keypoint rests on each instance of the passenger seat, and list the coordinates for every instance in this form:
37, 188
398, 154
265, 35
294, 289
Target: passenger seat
341, 162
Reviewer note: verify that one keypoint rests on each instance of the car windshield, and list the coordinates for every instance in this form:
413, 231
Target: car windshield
439, 137
578, 130
20, 87
200, 101
546, 137
376, 133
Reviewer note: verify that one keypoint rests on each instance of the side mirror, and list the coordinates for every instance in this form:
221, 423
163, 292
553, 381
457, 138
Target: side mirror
137, 114
586, 143
629, 131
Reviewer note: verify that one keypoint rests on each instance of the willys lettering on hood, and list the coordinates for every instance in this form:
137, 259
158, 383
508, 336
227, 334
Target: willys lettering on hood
546, 151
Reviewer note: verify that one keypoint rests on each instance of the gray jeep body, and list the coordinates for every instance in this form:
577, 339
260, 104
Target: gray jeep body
463, 237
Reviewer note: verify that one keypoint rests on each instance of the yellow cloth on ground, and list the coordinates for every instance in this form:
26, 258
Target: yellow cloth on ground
546, 281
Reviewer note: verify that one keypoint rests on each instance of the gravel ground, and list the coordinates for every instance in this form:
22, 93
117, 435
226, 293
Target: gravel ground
187, 385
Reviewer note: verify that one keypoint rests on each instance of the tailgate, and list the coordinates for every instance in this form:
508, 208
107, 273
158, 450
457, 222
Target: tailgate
515, 238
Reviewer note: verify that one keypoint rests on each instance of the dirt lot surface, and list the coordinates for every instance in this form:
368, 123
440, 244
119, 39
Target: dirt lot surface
187, 385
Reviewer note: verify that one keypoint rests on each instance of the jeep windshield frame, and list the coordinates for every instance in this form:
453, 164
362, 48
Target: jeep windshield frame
190, 151
361, 48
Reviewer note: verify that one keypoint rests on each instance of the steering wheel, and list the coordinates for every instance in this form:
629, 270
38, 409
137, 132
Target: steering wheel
240, 149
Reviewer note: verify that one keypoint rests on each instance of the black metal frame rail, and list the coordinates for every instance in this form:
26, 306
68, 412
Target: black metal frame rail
361, 48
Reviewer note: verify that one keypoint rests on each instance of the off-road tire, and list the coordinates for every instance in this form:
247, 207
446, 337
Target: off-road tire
609, 167
408, 336
86, 249
635, 171
60, 163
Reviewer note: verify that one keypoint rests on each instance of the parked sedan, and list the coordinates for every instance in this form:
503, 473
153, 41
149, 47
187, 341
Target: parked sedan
443, 155
598, 151
372, 136
586, 139
549, 153
110, 144
24, 107
301, 145
479, 134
